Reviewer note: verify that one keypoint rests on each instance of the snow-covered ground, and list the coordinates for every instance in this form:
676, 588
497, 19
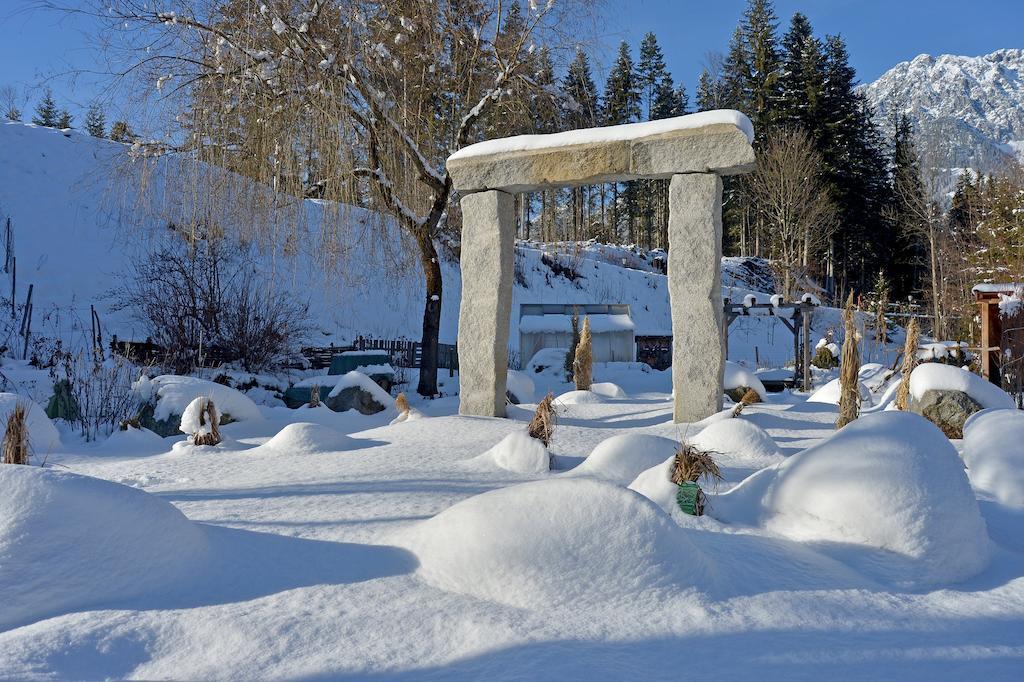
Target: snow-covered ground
348, 548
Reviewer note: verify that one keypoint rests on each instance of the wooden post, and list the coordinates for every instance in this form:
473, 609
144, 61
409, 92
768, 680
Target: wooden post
806, 319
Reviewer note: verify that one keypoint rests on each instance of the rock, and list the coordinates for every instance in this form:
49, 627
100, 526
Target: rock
698, 357
353, 398
946, 409
690, 144
146, 419
488, 254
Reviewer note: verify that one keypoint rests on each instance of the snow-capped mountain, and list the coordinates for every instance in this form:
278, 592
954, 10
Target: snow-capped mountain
968, 111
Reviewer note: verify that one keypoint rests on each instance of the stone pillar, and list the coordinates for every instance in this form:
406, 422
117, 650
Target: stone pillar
695, 294
488, 256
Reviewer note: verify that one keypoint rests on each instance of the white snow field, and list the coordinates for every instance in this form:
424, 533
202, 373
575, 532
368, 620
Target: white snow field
318, 545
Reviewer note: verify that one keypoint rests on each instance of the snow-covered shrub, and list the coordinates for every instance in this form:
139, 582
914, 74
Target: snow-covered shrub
75, 542
518, 452
555, 542
620, 459
994, 453
888, 481
201, 422
198, 293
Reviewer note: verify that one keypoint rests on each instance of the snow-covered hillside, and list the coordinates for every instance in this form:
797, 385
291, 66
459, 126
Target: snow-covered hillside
78, 219
969, 109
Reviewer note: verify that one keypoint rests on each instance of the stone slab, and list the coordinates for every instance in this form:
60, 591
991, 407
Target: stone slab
720, 148
487, 261
695, 295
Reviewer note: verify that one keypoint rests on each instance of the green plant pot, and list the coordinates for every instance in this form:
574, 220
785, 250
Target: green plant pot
690, 498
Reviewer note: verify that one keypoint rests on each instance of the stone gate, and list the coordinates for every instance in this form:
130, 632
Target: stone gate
693, 151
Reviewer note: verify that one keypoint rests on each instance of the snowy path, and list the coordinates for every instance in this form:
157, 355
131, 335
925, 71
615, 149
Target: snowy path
310, 577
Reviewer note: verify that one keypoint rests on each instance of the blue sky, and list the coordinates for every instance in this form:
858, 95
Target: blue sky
36, 45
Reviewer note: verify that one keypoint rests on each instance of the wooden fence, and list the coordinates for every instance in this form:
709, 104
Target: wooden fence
402, 353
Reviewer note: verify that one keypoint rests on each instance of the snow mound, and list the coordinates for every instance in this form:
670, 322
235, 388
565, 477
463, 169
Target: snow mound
548, 362
70, 542
889, 481
355, 378
173, 393
620, 459
994, 453
739, 443
521, 386
43, 436
304, 438
609, 390
656, 485
738, 376
518, 452
932, 376
558, 541
580, 398
830, 392
133, 440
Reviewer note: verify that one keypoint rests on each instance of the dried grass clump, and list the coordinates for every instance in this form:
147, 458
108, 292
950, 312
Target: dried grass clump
691, 464
401, 403
314, 396
570, 357
16, 437
583, 364
909, 363
542, 426
208, 416
849, 370
749, 398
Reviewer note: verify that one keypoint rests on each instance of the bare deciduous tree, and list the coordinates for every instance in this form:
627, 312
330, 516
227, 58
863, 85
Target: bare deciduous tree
356, 101
793, 199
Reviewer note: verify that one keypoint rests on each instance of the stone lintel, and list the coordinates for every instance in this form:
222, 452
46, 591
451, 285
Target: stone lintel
719, 148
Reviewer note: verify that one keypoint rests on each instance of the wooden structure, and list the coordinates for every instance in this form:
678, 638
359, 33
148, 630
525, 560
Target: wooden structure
994, 340
798, 322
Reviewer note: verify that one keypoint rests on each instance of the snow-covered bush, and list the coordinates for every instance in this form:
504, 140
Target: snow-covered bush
620, 459
555, 542
201, 422
994, 453
889, 481
75, 542
519, 453
739, 443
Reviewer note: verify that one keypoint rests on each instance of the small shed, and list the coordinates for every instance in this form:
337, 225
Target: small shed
549, 325
1002, 331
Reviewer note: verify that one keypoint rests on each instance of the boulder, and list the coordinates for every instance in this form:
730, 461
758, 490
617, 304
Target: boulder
354, 398
946, 409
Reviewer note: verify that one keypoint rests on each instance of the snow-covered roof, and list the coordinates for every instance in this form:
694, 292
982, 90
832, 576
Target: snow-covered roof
619, 133
553, 324
997, 288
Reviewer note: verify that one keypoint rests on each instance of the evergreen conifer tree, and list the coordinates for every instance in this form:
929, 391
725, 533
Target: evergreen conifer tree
801, 83
651, 72
65, 119
622, 105
46, 111
95, 121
